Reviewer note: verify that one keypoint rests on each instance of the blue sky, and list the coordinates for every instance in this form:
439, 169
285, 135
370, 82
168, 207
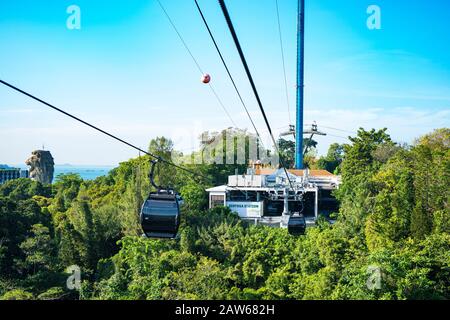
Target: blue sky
126, 71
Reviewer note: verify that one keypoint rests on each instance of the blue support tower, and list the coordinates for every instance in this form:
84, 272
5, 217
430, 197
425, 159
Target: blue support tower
300, 84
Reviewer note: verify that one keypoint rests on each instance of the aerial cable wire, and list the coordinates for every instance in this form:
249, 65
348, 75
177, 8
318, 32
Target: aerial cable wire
337, 129
252, 83
102, 131
333, 128
226, 68
336, 136
158, 158
195, 61
283, 62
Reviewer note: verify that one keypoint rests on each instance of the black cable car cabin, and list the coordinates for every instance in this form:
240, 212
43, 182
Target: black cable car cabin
160, 213
297, 225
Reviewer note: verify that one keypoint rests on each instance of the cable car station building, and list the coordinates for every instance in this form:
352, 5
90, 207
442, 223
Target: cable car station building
264, 196
7, 173
269, 196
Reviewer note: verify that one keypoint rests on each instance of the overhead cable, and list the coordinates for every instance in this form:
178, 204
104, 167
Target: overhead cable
197, 64
226, 67
100, 130
283, 61
252, 83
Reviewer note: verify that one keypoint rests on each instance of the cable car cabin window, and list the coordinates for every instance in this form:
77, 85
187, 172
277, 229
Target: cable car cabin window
217, 200
297, 225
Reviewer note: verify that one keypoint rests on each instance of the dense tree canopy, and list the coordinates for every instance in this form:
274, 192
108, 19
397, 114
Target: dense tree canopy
391, 239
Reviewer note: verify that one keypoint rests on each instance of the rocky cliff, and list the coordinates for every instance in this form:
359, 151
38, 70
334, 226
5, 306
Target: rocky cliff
41, 166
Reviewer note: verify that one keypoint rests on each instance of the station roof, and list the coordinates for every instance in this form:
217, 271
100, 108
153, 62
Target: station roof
298, 173
217, 189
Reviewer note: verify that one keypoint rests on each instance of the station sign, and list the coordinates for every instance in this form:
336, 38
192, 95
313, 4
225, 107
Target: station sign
247, 209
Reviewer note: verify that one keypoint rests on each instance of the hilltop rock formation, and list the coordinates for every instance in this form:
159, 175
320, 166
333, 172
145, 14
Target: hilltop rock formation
41, 166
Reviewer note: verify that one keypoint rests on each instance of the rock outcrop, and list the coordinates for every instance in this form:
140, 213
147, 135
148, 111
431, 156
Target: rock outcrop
41, 166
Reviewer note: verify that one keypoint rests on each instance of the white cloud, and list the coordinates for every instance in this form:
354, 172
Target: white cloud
74, 143
404, 124
17, 110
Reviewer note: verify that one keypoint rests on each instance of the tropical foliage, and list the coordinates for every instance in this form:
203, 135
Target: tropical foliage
391, 239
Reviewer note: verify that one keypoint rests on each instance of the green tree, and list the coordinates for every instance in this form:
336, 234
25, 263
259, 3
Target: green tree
163, 147
66, 188
432, 176
333, 159
205, 281
16, 225
357, 169
393, 202
39, 249
17, 294
222, 153
287, 152
24, 189
194, 196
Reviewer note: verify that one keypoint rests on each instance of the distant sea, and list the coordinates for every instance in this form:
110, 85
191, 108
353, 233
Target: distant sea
85, 172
